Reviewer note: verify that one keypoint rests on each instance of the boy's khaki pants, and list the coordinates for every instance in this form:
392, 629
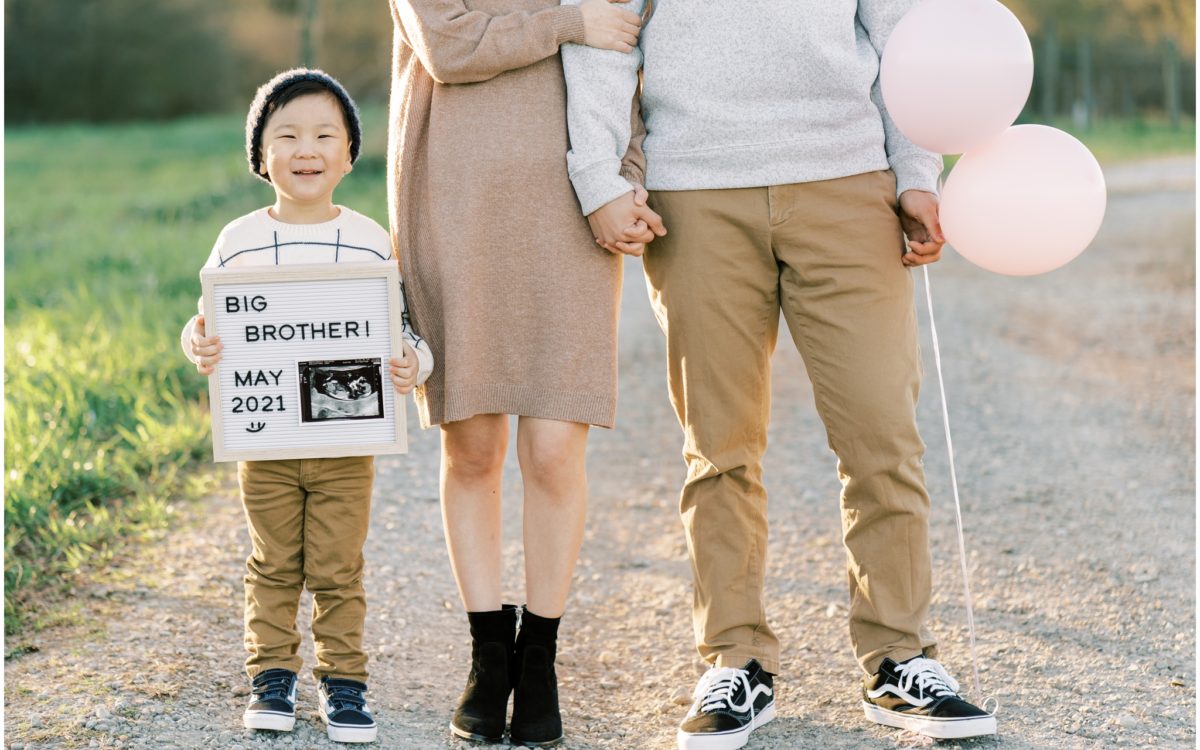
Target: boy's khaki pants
828, 254
308, 522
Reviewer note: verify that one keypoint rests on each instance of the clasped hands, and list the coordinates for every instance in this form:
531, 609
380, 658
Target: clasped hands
626, 224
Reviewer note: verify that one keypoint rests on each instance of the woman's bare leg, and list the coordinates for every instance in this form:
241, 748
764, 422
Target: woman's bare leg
472, 465
553, 470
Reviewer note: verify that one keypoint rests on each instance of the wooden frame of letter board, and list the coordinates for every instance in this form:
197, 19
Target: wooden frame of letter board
210, 277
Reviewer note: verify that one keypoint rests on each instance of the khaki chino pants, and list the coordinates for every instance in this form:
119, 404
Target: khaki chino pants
308, 522
827, 254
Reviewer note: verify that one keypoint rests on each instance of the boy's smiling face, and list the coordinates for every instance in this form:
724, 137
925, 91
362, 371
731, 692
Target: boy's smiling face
306, 152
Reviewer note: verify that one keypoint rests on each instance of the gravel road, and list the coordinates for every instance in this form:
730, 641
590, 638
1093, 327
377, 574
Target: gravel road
1072, 403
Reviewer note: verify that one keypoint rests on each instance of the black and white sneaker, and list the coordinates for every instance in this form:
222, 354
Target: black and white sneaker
730, 703
344, 710
272, 701
919, 696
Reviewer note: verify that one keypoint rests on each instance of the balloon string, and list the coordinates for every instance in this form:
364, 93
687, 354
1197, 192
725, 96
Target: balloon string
962, 552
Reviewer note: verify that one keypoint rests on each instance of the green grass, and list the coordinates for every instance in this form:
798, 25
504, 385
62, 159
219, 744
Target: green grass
1113, 141
1125, 140
105, 422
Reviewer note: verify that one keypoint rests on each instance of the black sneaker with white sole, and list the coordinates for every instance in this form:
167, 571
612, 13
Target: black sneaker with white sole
344, 710
272, 701
730, 703
920, 696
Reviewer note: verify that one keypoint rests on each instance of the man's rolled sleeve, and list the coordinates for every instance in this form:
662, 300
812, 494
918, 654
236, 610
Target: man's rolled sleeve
916, 172
599, 183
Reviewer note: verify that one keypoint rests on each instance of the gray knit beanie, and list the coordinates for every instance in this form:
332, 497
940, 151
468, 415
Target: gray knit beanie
269, 93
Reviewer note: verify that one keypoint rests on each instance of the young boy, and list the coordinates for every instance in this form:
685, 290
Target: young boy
307, 518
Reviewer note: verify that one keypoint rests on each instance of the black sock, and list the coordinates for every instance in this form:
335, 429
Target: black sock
537, 628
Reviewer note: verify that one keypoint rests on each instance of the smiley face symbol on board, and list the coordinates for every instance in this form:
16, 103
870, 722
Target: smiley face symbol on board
256, 427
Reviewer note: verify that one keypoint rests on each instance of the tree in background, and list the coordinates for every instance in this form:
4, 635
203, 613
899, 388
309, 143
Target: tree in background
115, 60
354, 43
100, 60
350, 39
1110, 57
1172, 24
305, 13
152, 59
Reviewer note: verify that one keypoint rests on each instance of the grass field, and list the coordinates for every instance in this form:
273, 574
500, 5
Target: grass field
1124, 140
106, 229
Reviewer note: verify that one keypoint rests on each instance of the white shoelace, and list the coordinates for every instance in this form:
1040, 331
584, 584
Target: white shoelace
716, 687
930, 676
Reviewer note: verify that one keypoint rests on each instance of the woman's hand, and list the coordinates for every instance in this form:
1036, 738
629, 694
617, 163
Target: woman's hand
625, 224
606, 26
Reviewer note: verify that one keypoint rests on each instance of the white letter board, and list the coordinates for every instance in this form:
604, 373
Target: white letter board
304, 371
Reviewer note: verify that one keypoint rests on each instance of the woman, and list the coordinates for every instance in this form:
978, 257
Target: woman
520, 308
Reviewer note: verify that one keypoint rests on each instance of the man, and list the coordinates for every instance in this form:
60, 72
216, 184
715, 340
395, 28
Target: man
784, 185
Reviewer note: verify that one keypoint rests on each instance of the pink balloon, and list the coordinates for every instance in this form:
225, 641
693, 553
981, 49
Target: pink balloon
956, 73
1024, 203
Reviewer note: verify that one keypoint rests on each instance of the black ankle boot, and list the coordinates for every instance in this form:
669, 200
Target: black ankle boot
481, 712
536, 721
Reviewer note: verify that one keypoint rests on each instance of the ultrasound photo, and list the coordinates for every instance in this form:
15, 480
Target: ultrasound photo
341, 389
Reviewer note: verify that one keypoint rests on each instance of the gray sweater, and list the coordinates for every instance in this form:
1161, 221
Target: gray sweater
744, 93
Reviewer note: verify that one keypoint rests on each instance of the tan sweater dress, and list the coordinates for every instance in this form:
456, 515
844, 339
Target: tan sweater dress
502, 274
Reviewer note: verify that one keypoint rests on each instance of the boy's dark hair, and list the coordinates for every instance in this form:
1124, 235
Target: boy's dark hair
288, 86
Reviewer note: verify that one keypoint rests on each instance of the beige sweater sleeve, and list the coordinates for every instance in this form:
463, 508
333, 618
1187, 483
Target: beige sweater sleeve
457, 45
